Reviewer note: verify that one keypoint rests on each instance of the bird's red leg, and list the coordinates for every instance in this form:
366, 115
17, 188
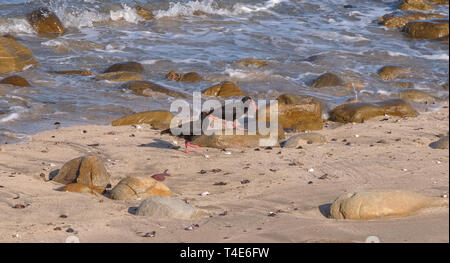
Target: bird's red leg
187, 144
237, 127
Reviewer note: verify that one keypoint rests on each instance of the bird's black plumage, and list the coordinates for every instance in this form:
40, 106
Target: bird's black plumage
225, 114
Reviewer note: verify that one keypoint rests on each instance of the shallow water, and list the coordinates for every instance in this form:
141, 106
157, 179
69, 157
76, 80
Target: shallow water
300, 39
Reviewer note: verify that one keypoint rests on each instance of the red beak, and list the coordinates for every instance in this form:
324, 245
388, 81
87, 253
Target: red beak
254, 105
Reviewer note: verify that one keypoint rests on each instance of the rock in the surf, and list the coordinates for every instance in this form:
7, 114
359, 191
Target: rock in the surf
430, 29
361, 111
132, 188
87, 170
120, 76
14, 56
125, 67
15, 81
303, 139
400, 19
326, 80
150, 89
73, 72
144, 13
416, 96
168, 208
392, 72
252, 62
188, 77
415, 5
441, 143
157, 119
439, 2
224, 89
46, 23
368, 205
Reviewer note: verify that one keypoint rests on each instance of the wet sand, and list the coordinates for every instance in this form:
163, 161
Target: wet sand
383, 154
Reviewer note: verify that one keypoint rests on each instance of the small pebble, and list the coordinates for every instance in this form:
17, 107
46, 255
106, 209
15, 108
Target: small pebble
150, 234
245, 181
311, 170
70, 230
204, 194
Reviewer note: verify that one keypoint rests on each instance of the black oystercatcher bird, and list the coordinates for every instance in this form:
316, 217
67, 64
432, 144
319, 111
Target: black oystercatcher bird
232, 116
190, 136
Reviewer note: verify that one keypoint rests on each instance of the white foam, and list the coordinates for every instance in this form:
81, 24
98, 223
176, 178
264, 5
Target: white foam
15, 25
435, 56
10, 117
127, 13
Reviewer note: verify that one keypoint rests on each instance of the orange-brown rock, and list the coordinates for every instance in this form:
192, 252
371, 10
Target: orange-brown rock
121, 76
359, 112
15, 81
157, 119
126, 67
224, 89
417, 5
400, 19
73, 72
327, 80
150, 89
188, 77
88, 170
392, 72
430, 29
252, 62
132, 188
416, 96
46, 23
144, 13
14, 56
439, 2
78, 188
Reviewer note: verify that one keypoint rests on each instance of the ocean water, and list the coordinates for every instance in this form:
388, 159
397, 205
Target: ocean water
300, 39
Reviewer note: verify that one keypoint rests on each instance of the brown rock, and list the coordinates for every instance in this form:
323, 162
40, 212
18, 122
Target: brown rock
126, 67
439, 2
15, 81
400, 19
150, 89
417, 5
359, 112
87, 170
431, 29
416, 96
402, 85
46, 23
73, 72
441, 143
224, 89
14, 56
188, 77
120, 76
78, 188
381, 204
144, 13
392, 72
443, 39
303, 139
252, 62
133, 188
326, 80
158, 119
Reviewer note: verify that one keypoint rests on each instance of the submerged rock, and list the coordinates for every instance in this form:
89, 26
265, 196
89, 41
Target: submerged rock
224, 89
46, 23
88, 170
15, 81
360, 111
188, 77
133, 188
440, 144
150, 89
144, 13
400, 19
168, 208
380, 204
158, 119
73, 72
416, 96
327, 80
252, 62
392, 72
303, 139
120, 76
431, 29
417, 5
14, 56
126, 67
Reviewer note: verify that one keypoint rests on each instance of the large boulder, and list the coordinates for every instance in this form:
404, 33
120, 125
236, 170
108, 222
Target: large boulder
416, 5
15, 81
126, 67
392, 72
88, 170
360, 111
168, 208
14, 56
158, 119
133, 188
430, 29
441, 143
381, 204
400, 19
224, 89
120, 76
303, 139
326, 80
150, 89
46, 23
188, 77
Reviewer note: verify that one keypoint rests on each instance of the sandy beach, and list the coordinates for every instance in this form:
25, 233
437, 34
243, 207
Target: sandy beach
284, 200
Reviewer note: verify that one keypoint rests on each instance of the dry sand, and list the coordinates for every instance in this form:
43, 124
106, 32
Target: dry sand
275, 185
